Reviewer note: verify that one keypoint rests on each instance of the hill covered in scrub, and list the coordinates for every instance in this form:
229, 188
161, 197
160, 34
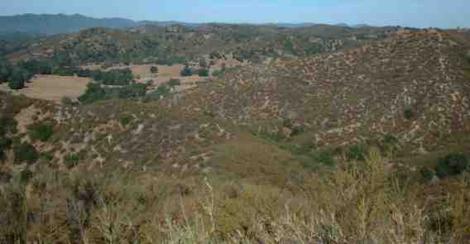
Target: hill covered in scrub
177, 43
365, 139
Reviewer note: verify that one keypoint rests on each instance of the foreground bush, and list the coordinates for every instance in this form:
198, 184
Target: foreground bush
361, 203
4, 145
25, 153
452, 164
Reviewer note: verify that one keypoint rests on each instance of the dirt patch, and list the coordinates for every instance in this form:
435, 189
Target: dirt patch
26, 117
52, 87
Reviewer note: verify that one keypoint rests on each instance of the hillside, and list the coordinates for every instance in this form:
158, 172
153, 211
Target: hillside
410, 87
183, 43
367, 89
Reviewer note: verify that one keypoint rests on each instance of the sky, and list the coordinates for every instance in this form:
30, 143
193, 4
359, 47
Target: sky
412, 13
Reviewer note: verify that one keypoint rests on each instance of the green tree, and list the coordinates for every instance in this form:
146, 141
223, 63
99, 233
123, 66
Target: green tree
5, 70
186, 71
18, 78
36, 66
119, 77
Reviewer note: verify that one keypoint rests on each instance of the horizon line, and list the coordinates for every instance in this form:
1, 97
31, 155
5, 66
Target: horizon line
234, 22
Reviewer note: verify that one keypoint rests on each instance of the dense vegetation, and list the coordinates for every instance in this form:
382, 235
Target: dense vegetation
17, 75
96, 92
119, 77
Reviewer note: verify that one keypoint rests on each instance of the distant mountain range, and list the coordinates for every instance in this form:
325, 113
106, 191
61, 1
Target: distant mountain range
51, 24
46, 24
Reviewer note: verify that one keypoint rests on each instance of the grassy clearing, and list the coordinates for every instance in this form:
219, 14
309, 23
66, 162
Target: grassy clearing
53, 88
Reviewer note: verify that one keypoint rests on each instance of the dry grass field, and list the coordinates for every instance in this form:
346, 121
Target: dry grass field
52, 87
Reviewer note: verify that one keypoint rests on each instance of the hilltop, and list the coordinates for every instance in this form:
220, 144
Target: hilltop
52, 24
49, 24
178, 43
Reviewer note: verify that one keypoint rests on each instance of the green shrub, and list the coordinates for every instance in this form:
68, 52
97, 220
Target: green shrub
427, 174
41, 131
71, 160
452, 164
203, 72
94, 92
125, 120
132, 91
7, 125
25, 152
325, 158
408, 113
357, 152
389, 143
5, 144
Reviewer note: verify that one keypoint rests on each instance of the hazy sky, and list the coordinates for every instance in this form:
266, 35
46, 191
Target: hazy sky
417, 13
